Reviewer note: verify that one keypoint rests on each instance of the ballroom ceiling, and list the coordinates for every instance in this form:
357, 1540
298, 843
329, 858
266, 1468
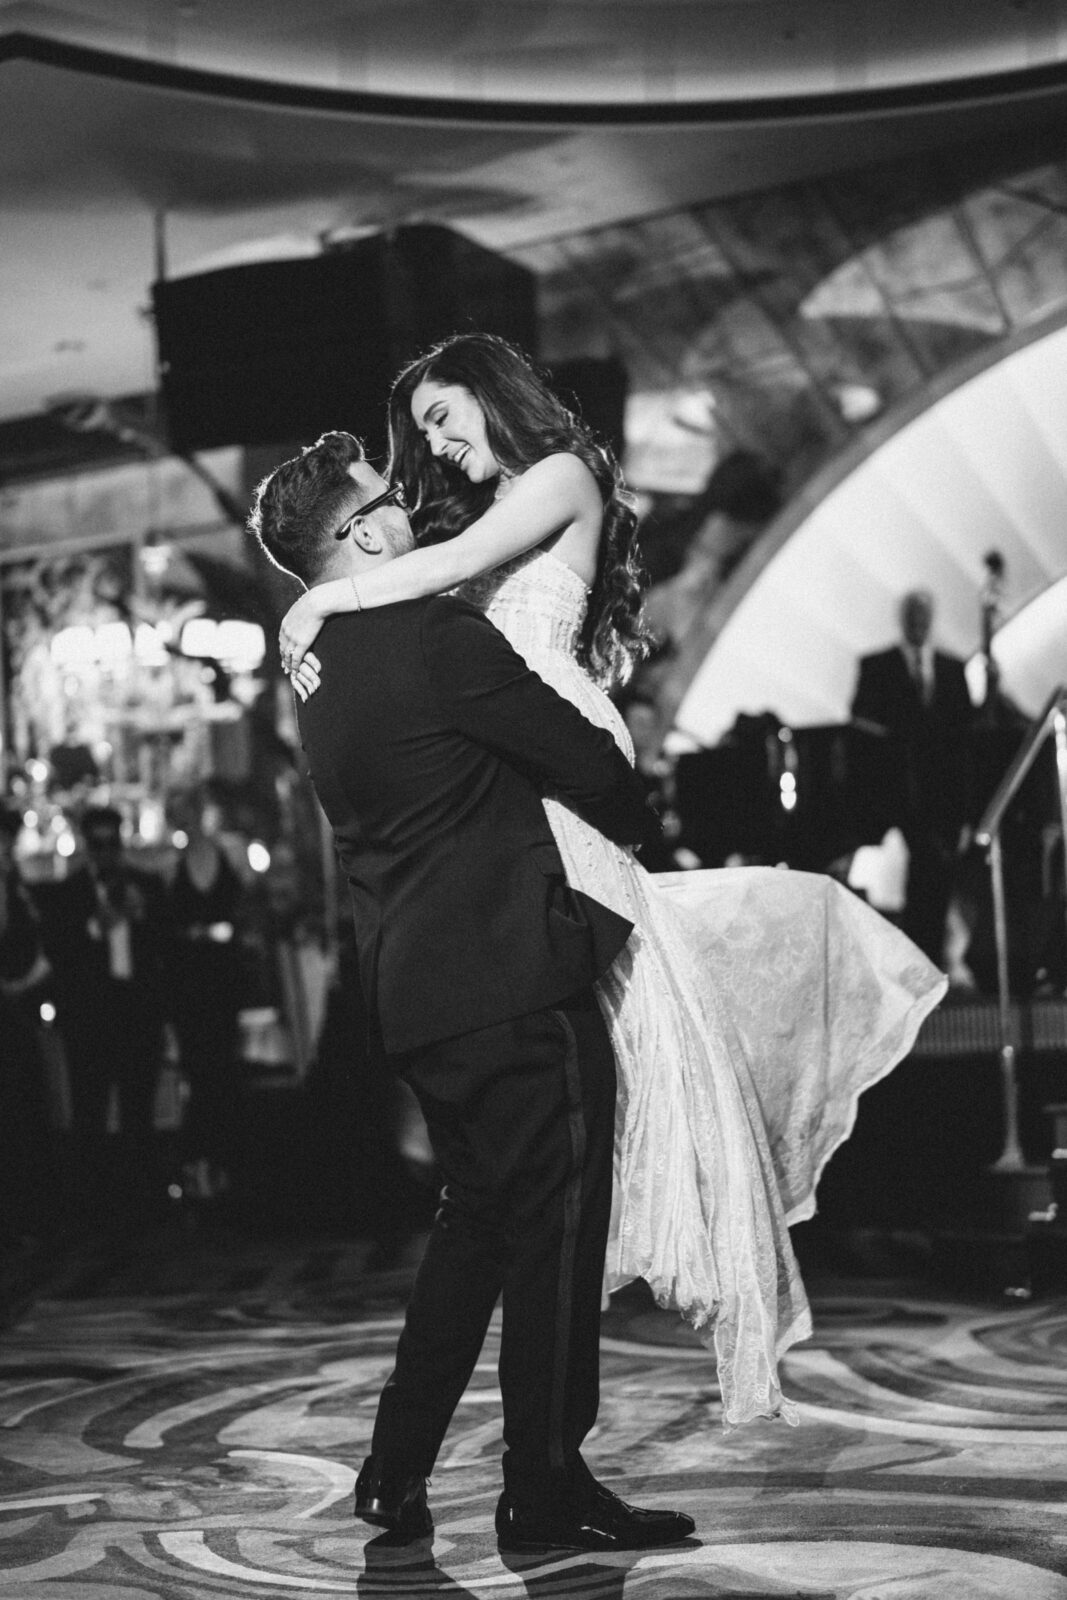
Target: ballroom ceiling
611, 53
139, 136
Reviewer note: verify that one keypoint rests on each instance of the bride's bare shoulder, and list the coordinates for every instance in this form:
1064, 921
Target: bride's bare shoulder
562, 472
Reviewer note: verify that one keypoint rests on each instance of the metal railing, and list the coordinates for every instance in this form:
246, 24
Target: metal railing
1051, 723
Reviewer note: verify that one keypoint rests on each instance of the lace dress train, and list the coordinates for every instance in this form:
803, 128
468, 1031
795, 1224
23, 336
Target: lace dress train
749, 1010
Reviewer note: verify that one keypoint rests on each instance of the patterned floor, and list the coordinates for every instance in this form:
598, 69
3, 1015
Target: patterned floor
182, 1417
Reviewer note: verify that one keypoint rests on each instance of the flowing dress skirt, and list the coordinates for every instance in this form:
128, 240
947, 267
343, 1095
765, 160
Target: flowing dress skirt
748, 1012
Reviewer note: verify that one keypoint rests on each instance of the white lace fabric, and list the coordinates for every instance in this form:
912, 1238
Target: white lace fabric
749, 1010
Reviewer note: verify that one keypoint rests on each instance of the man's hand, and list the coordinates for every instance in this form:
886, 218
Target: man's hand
299, 629
306, 677
652, 832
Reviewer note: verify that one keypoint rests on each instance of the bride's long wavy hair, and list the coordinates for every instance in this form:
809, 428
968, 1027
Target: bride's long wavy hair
524, 422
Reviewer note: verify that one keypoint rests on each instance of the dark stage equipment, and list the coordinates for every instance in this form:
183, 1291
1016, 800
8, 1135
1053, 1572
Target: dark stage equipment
596, 388
730, 802
850, 786
284, 350
726, 798
849, 791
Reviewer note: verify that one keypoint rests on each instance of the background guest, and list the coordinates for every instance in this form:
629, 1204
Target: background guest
104, 933
204, 908
918, 696
27, 1189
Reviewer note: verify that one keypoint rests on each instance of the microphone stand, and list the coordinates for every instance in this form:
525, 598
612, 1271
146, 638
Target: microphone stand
991, 595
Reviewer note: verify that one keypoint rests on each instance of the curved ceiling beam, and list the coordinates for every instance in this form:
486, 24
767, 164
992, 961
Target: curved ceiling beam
553, 61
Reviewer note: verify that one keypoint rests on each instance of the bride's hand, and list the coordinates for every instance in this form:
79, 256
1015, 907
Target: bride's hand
299, 629
306, 677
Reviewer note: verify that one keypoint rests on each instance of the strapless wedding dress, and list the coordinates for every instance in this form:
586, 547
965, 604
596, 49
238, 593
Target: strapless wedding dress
749, 1010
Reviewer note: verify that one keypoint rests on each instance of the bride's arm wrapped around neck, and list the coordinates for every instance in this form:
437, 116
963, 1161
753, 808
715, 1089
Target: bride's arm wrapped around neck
539, 505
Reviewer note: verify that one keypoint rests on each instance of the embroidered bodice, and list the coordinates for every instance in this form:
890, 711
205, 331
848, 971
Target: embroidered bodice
537, 602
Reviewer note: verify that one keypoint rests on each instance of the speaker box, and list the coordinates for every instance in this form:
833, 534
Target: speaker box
285, 350
596, 389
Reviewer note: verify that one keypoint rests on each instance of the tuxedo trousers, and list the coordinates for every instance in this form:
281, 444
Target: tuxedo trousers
521, 1118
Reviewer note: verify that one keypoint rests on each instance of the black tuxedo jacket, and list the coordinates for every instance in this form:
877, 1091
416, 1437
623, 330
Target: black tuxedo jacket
932, 738
430, 744
20, 931
77, 948
887, 693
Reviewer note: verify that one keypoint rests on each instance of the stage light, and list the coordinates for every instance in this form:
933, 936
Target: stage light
857, 402
74, 647
47, 1011
150, 821
155, 556
240, 645
199, 636
113, 643
65, 845
258, 856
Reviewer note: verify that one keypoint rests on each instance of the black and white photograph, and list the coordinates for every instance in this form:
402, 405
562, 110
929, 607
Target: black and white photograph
533, 799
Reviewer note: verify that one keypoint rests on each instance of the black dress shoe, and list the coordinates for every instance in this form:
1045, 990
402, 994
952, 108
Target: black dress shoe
601, 1522
393, 1500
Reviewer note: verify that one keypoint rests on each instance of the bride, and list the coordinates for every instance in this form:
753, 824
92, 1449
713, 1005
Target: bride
751, 1007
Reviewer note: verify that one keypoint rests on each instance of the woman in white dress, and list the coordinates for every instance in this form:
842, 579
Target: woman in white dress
750, 1007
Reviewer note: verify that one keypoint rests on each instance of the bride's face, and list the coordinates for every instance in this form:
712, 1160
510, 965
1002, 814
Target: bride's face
453, 425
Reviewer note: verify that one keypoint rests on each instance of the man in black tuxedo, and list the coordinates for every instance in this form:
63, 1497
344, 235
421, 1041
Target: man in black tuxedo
28, 1176
918, 696
431, 744
105, 935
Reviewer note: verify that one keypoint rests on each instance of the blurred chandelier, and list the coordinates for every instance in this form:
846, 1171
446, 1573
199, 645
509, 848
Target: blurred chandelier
237, 646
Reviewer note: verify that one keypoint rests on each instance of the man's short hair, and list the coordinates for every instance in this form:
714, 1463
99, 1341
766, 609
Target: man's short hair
917, 597
299, 506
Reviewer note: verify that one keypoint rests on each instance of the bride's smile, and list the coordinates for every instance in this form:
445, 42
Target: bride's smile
453, 425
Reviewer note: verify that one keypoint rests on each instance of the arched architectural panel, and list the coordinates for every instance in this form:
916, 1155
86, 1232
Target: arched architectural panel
983, 468
1031, 648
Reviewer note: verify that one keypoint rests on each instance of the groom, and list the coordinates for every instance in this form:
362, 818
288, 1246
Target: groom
431, 744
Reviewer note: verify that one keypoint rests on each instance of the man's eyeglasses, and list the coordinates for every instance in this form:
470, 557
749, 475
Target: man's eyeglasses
394, 493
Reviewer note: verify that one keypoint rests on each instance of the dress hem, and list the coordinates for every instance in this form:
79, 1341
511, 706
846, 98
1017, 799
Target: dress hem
917, 1014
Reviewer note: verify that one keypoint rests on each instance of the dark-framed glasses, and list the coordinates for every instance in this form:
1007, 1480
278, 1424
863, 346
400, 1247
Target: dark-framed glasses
394, 494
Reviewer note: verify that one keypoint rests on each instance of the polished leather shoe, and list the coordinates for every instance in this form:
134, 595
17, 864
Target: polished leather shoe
601, 1522
392, 1500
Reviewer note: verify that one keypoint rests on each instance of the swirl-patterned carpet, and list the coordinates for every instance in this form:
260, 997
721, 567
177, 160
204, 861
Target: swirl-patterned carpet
184, 1417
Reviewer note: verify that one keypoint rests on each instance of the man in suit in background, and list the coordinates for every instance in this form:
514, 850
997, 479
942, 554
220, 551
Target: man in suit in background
918, 696
28, 1177
430, 744
105, 936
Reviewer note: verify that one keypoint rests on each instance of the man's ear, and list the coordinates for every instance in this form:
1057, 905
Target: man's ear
366, 537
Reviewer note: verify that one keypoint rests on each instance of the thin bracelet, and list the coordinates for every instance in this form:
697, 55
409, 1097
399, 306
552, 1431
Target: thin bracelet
355, 592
